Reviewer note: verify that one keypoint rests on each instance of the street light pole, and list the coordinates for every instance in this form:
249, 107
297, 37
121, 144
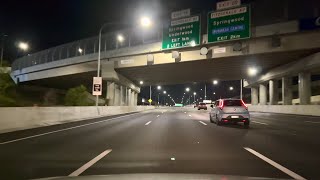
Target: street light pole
205, 91
241, 84
99, 56
150, 96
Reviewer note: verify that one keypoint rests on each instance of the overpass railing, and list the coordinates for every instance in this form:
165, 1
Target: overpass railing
109, 41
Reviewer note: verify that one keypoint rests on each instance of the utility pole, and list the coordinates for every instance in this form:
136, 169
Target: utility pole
2, 48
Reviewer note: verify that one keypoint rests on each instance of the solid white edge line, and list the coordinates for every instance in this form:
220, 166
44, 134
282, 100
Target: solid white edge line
274, 164
203, 123
259, 122
148, 123
51, 132
312, 122
90, 163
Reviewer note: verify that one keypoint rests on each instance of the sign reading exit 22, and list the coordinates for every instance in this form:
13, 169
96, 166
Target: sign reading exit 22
230, 24
182, 33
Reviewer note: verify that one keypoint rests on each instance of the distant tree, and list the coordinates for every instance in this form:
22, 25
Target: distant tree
77, 96
6, 85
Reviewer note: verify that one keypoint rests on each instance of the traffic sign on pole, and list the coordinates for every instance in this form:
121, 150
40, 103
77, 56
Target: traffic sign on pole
230, 24
150, 100
97, 86
180, 33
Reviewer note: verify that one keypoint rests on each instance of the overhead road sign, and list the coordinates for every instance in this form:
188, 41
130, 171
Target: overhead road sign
230, 24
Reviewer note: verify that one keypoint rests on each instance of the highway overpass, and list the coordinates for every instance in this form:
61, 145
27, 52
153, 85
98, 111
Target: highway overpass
271, 46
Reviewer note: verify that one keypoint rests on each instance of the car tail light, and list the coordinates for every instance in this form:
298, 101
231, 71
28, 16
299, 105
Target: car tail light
225, 120
244, 104
221, 105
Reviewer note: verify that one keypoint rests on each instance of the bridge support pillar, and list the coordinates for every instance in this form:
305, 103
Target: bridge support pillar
305, 88
263, 94
132, 98
116, 95
273, 92
254, 96
110, 93
122, 96
135, 99
286, 91
128, 97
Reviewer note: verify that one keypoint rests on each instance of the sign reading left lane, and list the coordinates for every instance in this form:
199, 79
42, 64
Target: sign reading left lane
97, 86
181, 33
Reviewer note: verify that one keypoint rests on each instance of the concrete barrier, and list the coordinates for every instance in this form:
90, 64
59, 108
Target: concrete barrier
18, 118
313, 110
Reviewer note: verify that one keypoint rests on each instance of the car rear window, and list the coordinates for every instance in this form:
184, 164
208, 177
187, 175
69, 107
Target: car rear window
232, 103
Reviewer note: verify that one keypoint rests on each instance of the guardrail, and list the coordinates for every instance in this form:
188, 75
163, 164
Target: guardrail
131, 37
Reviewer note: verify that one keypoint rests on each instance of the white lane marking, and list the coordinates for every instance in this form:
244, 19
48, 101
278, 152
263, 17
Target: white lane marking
259, 122
60, 130
173, 159
148, 123
202, 123
90, 163
274, 164
189, 115
158, 115
312, 122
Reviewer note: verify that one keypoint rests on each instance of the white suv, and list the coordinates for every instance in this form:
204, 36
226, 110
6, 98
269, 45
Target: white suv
230, 111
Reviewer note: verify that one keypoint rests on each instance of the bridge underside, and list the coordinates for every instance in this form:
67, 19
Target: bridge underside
227, 68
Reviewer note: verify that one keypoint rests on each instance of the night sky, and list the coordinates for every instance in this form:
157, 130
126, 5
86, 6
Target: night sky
44, 24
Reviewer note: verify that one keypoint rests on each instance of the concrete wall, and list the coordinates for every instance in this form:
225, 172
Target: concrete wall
18, 118
312, 110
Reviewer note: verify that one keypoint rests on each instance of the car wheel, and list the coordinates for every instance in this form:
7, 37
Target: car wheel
246, 125
198, 109
217, 121
205, 109
210, 119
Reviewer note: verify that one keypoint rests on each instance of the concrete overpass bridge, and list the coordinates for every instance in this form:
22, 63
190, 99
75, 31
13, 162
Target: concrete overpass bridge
125, 64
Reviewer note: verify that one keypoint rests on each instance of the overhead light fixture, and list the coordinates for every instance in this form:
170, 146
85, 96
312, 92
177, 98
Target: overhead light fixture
204, 51
252, 71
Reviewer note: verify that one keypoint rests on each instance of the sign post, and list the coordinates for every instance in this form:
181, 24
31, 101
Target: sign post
229, 24
181, 33
97, 86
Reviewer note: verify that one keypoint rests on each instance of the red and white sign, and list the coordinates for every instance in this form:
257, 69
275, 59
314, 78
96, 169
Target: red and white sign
97, 86
228, 4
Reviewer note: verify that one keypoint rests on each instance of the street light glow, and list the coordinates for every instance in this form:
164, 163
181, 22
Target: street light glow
187, 89
145, 21
120, 38
193, 43
141, 82
231, 88
215, 82
23, 46
159, 87
252, 71
214, 93
164, 92
80, 50
194, 93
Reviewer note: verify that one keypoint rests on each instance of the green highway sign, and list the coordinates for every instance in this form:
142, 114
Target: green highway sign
181, 33
230, 24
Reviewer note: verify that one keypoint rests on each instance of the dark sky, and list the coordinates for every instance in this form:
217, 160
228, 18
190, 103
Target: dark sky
45, 23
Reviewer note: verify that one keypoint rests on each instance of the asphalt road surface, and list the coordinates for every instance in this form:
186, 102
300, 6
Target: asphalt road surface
167, 140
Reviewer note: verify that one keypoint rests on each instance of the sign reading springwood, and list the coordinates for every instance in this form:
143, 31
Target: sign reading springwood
231, 24
182, 33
